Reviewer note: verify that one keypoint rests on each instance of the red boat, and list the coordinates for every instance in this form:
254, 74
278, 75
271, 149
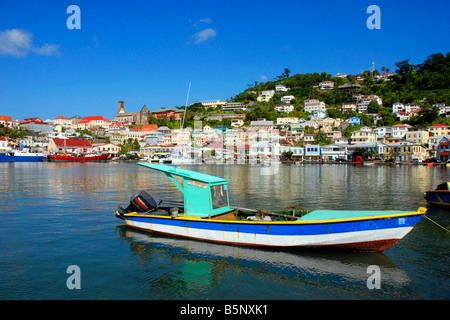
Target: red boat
78, 158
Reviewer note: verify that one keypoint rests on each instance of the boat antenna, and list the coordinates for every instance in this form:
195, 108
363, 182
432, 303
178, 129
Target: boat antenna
185, 106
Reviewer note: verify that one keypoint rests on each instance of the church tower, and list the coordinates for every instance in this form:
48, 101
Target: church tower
121, 107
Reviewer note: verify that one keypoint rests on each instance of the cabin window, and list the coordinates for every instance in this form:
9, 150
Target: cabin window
219, 196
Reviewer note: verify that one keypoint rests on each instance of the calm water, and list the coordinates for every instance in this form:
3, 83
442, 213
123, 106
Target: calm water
55, 215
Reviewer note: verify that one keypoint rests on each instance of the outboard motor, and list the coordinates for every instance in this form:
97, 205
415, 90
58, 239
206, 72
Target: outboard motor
142, 202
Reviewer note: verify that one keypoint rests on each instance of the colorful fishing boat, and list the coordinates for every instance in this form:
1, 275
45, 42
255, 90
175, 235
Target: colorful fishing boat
440, 196
78, 158
205, 214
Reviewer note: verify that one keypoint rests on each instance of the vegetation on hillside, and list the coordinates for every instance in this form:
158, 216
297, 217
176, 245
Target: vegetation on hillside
425, 84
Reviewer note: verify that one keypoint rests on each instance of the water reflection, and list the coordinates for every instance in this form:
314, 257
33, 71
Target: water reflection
204, 265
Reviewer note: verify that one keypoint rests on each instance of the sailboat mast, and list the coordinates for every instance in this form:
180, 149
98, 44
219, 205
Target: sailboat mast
185, 106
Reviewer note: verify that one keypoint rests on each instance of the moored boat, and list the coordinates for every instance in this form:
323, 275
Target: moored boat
21, 155
440, 196
205, 214
78, 158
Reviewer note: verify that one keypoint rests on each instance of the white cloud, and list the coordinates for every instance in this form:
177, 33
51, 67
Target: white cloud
263, 78
205, 20
47, 50
19, 43
204, 35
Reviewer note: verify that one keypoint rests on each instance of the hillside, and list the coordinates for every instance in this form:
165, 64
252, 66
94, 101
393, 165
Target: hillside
425, 84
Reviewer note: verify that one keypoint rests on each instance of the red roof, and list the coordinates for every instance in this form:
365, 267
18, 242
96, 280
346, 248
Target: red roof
149, 127
3, 139
5, 118
69, 143
89, 119
61, 117
439, 125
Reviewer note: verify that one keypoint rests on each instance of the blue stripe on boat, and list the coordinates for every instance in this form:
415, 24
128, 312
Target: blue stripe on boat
287, 229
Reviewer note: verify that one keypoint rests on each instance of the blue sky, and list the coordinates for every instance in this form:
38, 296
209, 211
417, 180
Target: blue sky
147, 52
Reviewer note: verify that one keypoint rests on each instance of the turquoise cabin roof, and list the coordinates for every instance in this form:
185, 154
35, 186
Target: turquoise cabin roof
204, 195
202, 177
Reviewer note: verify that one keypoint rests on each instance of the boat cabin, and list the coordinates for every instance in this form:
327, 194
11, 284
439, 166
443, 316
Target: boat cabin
204, 195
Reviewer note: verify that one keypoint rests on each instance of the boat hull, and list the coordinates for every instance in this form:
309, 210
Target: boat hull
15, 158
438, 197
63, 158
365, 234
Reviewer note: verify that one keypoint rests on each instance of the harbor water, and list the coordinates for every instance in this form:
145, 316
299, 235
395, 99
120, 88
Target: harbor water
59, 215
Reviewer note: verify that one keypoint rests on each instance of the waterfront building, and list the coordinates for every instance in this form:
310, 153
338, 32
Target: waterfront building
418, 137
313, 151
297, 152
110, 148
363, 136
443, 149
400, 130
406, 152
57, 145
155, 138
334, 151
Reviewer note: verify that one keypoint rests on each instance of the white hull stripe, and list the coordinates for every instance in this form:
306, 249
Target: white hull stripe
275, 240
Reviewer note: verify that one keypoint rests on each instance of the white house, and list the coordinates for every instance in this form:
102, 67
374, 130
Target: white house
400, 130
65, 122
314, 105
279, 88
383, 131
348, 107
110, 148
334, 151
318, 115
326, 85
266, 95
4, 144
287, 99
284, 109
365, 101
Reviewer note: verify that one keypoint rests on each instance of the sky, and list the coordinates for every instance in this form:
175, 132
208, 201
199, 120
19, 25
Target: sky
151, 52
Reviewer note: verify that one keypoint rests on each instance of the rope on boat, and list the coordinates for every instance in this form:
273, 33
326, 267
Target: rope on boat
436, 223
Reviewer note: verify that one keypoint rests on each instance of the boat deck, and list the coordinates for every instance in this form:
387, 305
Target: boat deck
349, 214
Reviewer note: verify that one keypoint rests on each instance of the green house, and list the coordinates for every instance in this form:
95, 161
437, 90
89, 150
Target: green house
204, 195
